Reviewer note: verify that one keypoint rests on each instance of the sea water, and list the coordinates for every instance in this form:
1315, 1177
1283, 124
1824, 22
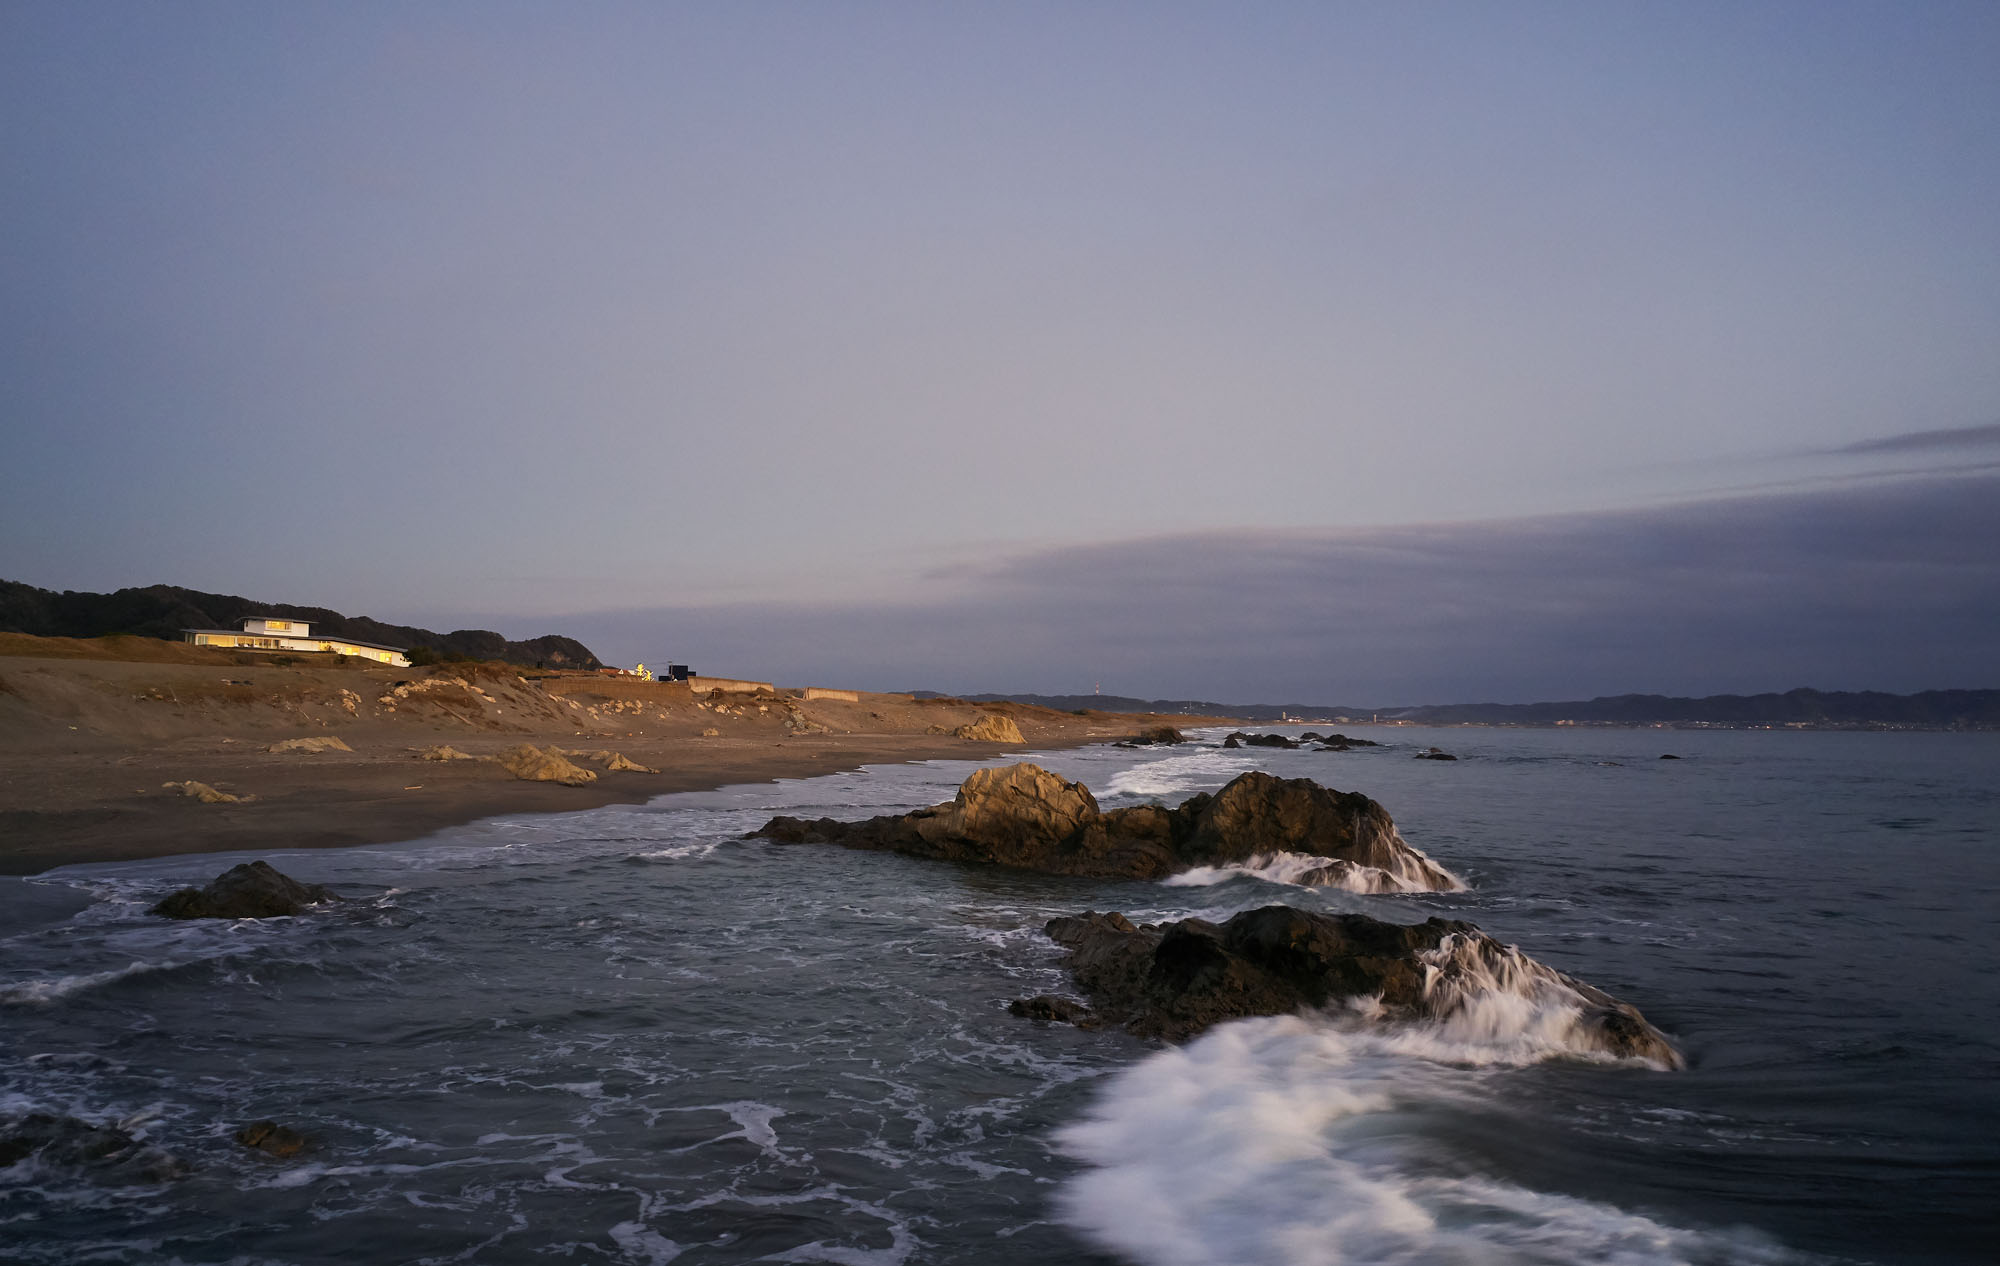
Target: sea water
632, 1035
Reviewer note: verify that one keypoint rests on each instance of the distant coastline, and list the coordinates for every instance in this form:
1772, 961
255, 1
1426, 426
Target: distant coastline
1802, 709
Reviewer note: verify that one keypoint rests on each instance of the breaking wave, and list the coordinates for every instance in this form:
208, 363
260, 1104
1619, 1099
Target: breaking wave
1309, 870
32, 993
1309, 1143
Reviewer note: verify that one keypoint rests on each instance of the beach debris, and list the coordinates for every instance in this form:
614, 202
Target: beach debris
253, 890
445, 751
203, 792
613, 762
987, 729
1025, 817
272, 1139
327, 743
533, 764
1174, 980
711, 732
108, 1154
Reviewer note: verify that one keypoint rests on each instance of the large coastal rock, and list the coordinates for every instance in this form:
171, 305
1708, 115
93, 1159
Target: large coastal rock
1025, 817
254, 890
534, 764
1173, 980
989, 728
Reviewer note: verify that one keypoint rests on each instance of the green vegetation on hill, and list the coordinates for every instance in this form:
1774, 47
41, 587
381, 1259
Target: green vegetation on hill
162, 611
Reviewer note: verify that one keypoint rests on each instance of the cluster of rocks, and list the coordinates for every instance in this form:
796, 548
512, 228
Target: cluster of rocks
107, 1154
1174, 980
1025, 817
1327, 743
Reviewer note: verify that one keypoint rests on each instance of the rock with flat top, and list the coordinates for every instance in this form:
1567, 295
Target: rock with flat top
254, 890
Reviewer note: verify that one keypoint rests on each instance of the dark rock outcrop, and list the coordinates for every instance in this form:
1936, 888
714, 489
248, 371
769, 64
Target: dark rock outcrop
1174, 980
1240, 739
1028, 818
102, 1153
1158, 736
1435, 753
253, 890
1342, 743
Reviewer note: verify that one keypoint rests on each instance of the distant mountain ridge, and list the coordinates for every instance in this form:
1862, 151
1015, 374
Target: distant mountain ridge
162, 611
1869, 709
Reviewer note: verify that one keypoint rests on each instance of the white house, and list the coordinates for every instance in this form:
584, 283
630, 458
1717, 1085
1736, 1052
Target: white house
272, 633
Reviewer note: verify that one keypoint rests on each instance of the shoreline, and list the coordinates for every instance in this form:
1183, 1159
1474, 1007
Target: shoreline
96, 738
350, 804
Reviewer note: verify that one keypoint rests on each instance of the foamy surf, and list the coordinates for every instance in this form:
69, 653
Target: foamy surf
41, 993
1308, 870
1295, 1142
1177, 777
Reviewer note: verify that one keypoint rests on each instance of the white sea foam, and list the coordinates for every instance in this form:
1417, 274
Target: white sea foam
1179, 776
1298, 1142
41, 993
1310, 870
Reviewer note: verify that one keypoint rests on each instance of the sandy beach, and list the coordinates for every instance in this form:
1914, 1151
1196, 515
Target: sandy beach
92, 731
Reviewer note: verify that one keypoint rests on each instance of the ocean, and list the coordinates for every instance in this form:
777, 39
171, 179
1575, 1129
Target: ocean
630, 1035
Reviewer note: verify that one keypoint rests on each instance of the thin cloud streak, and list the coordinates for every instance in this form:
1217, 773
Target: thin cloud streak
1888, 586
1924, 441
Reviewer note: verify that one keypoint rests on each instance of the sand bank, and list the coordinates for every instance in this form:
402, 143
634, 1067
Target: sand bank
89, 740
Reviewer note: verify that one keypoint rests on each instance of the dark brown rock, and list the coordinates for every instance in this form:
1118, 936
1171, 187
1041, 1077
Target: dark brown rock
253, 890
1162, 735
1027, 818
1435, 753
1053, 1010
272, 1139
1175, 980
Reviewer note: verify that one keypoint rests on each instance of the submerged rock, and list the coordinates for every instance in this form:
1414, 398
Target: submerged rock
1053, 1010
254, 890
103, 1153
1240, 739
1435, 753
272, 1139
1173, 980
1025, 817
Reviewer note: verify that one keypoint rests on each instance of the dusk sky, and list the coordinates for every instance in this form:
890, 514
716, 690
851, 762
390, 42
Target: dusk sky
1355, 353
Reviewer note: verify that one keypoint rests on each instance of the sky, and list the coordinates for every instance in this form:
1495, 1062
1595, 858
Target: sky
1362, 353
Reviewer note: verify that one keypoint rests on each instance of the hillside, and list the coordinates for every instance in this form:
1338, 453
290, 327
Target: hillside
162, 611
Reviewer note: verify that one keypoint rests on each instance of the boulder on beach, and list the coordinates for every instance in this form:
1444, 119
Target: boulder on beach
533, 764
1025, 817
107, 1154
991, 729
1174, 980
445, 751
613, 762
203, 792
254, 890
323, 743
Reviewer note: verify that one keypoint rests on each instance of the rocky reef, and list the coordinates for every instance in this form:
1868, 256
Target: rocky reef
1025, 817
254, 890
1173, 980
